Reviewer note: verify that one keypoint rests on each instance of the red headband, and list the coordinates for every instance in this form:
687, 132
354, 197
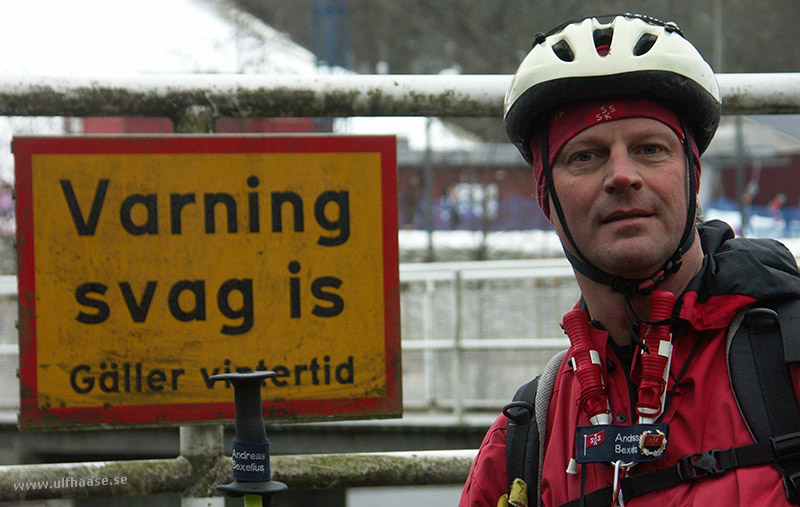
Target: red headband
569, 121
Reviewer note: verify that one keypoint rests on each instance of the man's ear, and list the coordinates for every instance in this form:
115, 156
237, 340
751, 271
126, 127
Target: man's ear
552, 216
698, 215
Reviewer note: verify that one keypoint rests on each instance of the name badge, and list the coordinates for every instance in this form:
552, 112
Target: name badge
634, 443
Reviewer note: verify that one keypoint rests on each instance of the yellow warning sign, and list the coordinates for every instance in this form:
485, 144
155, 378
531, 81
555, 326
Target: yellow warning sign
154, 263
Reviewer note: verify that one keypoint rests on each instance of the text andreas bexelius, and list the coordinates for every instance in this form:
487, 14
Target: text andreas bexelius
186, 299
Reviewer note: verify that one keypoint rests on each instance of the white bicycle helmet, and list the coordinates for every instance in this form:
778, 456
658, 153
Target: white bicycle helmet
628, 55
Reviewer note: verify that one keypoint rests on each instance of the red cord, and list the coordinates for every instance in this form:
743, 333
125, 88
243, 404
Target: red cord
593, 400
652, 384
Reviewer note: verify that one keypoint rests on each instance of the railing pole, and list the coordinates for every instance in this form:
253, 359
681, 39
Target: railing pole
429, 354
458, 353
201, 445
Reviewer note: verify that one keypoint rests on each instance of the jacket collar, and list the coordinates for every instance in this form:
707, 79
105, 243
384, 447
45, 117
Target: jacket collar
736, 272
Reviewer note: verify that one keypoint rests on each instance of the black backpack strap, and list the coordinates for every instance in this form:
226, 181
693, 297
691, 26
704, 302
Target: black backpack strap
790, 329
526, 429
693, 467
760, 376
522, 431
759, 353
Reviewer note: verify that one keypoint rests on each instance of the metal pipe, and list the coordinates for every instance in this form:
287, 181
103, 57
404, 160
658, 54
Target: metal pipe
428, 329
201, 445
311, 471
457, 380
95, 479
253, 95
319, 471
323, 95
554, 344
773, 93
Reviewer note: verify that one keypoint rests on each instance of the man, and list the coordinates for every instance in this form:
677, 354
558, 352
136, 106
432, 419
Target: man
613, 114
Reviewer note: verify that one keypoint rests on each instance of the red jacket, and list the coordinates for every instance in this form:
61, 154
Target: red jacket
702, 414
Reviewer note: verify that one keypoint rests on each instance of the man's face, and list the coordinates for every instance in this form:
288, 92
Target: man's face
622, 188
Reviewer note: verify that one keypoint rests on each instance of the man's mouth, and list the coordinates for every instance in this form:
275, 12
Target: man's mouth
625, 215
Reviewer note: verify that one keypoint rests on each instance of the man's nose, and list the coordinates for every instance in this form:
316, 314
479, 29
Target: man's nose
622, 172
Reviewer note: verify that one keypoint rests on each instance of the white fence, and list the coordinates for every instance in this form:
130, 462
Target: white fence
474, 331
456, 318
9, 350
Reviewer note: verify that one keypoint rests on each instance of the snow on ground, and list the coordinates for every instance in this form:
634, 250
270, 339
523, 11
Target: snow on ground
414, 130
98, 38
461, 245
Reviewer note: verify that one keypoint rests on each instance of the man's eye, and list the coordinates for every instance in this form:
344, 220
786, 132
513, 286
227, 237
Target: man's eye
651, 149
584, 156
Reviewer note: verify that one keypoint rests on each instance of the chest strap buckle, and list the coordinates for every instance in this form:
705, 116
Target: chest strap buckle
697, 466
787, 447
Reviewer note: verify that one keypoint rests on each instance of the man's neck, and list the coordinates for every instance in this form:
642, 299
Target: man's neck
608, 306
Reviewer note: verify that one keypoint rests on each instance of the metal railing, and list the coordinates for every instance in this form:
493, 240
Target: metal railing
322, 95
191, 102
439, 289
443, 289
201, 465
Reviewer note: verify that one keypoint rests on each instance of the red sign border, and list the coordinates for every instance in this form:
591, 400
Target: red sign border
32, 417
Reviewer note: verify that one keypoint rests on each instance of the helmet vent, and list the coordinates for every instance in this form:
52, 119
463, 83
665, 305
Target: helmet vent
644, 44
602, 40
563, 51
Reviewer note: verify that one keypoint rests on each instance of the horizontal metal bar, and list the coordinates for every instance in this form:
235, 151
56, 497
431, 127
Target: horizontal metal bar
439, 344
487, 270
769, 93
323, 95
489, 344
253, 95
312, 471
562, 273
319, 471
444, 344
484, 405
94, 479
8, 285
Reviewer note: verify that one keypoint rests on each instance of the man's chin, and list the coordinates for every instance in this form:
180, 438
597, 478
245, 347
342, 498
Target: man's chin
629, 264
